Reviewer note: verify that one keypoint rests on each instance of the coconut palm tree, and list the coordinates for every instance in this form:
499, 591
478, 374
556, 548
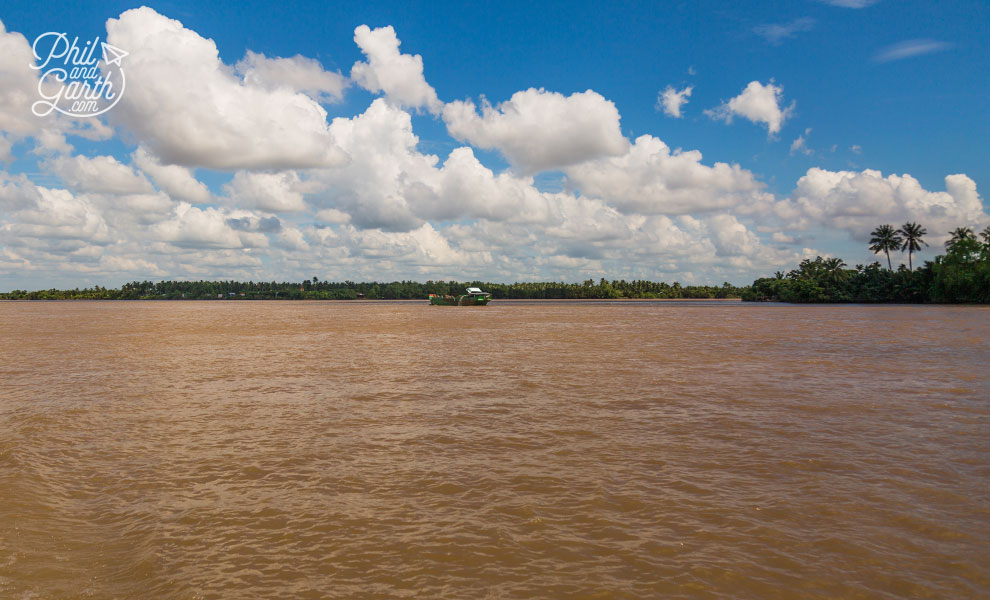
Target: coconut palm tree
833, 265
912, 234
833, 270
985, 234
959, 234
884, 240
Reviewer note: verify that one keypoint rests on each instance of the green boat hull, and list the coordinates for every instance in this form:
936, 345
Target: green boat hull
463, 300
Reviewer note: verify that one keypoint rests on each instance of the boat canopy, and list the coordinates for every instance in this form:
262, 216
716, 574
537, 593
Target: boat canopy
473, 290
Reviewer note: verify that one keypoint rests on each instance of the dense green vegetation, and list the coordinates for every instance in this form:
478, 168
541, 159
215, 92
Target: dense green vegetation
962, 274
314, 289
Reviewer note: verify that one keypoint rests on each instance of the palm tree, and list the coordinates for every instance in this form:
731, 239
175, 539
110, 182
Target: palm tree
884, 240
959, 234
834, 264
912, 234
985, 234
833, 269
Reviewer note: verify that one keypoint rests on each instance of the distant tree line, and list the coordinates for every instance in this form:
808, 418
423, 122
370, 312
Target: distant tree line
315, 289
961, 275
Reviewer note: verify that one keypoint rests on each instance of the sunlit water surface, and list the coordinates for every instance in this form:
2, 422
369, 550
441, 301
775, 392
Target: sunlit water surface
520, 450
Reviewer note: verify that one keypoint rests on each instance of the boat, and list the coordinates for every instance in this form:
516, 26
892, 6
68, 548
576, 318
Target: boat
472, 297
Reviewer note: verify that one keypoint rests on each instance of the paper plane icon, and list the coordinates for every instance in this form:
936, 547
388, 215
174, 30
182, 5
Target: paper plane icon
112, 54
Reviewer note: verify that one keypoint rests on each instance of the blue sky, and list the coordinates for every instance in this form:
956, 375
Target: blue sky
876, 103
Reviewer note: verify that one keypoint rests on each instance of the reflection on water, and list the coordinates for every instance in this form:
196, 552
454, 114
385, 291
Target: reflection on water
521, 450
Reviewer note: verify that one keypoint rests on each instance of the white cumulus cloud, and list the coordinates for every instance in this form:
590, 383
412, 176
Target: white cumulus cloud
280, 192
399, 76
730, 237
54, 220
671, 100
857, 202
99, 174
651, 179
385, 165
206, 228
187, 108
178, 182
297, 73
19, 91
537, 130
759, 103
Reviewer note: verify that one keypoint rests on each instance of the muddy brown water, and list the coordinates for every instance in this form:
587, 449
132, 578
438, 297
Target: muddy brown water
520, 450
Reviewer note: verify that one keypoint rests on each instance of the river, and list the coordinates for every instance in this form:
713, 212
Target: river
237, 449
